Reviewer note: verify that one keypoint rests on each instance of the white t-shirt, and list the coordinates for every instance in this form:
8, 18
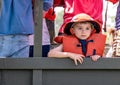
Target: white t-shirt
45, 35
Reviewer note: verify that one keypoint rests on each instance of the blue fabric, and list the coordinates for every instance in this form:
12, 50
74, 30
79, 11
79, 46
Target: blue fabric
14, 46
16, 17
45, 50
47, 4
84, 46
31, 51
117, 19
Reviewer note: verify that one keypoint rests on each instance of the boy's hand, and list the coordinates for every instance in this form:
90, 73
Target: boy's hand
95, 57
76, 58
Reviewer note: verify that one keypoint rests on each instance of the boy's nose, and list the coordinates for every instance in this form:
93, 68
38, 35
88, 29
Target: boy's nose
83, 30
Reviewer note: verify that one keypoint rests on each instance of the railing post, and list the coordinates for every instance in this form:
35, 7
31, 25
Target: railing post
38, 28
38, 7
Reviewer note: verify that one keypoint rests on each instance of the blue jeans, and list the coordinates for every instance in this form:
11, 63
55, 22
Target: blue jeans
14, 46
45, 50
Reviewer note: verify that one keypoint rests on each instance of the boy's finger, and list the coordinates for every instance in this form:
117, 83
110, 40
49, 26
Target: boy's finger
80, 60
75, 62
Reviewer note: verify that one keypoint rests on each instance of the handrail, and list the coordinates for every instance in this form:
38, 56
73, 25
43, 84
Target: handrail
54, 63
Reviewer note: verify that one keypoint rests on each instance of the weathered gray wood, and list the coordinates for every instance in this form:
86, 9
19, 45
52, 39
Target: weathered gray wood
16, 77
37, 74
81, 77
37, 77
52, 71
54, 63
38, 28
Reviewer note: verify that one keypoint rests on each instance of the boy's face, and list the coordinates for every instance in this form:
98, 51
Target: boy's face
82, 30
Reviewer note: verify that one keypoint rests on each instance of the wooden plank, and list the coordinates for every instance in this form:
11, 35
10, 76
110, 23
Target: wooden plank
81, 77
37, 74
37, 77
54, 63
38, 28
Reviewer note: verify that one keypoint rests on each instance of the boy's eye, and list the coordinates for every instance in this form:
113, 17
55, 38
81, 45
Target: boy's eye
80, 28
87, 28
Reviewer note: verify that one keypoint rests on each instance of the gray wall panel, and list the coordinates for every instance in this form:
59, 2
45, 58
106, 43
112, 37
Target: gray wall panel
81, 77
16, 77
52, 71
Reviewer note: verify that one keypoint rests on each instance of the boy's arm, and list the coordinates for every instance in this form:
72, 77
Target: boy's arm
57, 52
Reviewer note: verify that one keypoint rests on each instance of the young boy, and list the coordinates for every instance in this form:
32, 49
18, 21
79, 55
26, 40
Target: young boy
82, 39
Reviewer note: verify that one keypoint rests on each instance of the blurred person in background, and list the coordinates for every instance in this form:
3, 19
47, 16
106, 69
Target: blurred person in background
115, 50
16, 22
93, 8
48, 13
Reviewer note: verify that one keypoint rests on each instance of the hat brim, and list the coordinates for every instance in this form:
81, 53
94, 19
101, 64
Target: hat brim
69, 25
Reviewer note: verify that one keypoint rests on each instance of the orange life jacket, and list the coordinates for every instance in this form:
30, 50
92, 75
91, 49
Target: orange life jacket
95, 44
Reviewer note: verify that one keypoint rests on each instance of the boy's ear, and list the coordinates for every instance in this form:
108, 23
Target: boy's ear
93, 30
71, 31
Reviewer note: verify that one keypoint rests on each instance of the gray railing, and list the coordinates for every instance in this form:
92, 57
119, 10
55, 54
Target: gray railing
52, 71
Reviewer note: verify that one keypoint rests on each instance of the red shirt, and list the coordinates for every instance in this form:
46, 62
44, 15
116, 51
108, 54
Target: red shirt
113, 1
91, 7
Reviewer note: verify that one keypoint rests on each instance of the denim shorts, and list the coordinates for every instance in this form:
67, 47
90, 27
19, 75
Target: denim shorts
14, 46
